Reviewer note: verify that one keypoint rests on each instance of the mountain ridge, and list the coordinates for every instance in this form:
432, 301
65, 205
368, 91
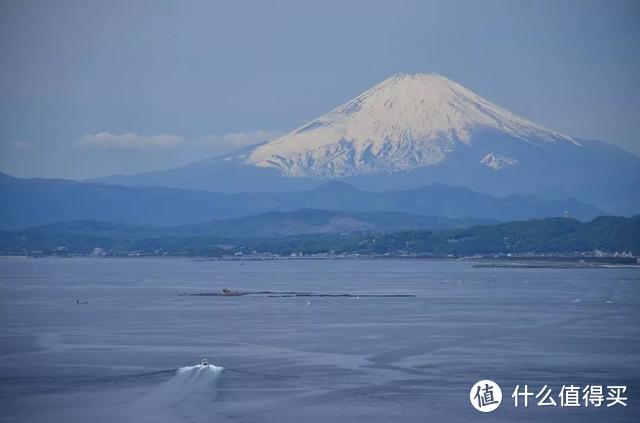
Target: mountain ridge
29, 202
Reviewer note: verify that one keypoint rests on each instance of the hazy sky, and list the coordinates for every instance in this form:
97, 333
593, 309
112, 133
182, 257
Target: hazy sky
92, 88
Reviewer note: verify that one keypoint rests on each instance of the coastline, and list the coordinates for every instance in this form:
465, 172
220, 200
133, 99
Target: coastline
480, 261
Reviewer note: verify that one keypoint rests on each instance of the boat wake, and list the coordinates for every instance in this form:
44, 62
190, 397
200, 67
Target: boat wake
188, 396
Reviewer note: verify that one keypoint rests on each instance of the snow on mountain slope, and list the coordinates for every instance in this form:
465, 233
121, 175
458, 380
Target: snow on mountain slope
405, 122
497, 161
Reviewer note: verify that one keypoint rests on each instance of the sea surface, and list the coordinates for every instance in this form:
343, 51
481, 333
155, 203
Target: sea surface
117, 340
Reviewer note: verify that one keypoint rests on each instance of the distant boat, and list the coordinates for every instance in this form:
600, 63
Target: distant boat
205, 362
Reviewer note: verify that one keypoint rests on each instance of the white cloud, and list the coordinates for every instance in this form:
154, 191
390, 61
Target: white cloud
238, 139
167, 142
131, 141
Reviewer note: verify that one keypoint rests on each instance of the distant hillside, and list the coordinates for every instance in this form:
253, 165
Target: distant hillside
312, 221
550, 235
30, 202
84, 235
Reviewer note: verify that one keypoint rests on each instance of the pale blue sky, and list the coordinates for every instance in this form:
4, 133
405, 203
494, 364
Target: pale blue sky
190, 79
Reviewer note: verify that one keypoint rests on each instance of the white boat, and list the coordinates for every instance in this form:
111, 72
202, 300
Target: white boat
205, 362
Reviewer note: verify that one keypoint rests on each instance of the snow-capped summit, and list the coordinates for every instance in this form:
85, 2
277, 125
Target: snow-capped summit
403, 123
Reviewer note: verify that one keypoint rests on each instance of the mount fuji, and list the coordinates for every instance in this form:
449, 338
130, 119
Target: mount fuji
406, 122
412, 130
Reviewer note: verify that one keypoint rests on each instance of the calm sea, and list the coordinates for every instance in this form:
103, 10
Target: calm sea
116, 340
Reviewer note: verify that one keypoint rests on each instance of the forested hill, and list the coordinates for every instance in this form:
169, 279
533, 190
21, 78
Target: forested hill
550, 235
